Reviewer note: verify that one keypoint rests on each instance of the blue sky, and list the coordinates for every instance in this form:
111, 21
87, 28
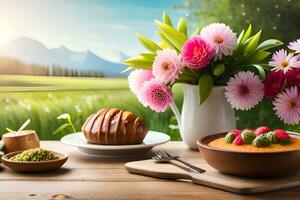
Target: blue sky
104, 27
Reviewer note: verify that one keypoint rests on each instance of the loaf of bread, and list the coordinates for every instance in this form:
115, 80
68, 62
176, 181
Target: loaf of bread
112, 126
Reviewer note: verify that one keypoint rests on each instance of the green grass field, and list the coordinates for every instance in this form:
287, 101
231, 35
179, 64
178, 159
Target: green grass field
9, 83
42, 99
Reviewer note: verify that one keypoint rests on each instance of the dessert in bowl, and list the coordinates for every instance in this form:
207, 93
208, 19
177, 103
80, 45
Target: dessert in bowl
259, 153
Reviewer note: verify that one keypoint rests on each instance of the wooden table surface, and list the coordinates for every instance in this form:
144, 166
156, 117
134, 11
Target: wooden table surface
90, 178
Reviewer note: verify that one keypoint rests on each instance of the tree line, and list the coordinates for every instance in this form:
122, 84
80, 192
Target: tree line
10, 66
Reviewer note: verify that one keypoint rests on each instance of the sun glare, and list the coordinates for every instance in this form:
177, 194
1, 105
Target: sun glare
5, 34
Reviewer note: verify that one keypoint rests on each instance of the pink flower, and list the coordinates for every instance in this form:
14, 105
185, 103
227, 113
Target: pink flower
287, 105
295, 45
156, 95
196, 53
283, 61
137, 78
167, 66
221, 38
244, 90
273, 83
293, 77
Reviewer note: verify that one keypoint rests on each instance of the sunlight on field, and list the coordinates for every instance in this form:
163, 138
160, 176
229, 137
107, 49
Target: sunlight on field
10, 83
42, 99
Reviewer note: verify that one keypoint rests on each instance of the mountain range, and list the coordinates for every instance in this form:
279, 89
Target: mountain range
32, 51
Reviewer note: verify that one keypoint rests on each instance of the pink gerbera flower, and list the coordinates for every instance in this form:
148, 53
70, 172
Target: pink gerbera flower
244, 90
137, 78
221, 38
167, 66
196, 53
283, 61
156, 95
287, 105
295, 46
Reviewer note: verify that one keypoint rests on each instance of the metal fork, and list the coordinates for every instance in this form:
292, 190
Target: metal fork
156, 158
166, 157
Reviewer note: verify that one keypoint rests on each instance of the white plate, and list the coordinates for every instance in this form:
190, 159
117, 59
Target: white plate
78, 140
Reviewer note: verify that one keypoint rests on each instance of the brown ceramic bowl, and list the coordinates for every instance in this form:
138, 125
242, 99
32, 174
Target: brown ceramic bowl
23, 140
250, 164
34, 166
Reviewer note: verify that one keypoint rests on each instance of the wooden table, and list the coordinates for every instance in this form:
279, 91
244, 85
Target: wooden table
90, 178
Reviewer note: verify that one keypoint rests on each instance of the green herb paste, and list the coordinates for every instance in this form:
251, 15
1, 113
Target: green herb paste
34, 155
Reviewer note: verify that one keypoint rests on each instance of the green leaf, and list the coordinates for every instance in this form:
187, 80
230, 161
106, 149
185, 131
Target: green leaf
149, 55
139, 62
10, 130
174, 36
60, 128
239, 49
268, 44
239, 40
206, 83
24, 125
126, 70
261, 71
251, 46
265, 66
218, 69
64, 116
182, 27
164, 39
167, 19
247, 34
147, 43
285, 142
197, 31
257, 57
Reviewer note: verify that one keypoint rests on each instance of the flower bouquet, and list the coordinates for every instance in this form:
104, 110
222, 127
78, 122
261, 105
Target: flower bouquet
282, 83
210, 57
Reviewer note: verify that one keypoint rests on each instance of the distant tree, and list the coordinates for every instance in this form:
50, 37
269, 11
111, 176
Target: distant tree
278, 18
16, 67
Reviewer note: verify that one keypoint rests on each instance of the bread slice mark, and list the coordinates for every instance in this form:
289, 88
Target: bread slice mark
112, 121
135, 135
123, 127
105, 125
130, 131
141, 131
114, 124
102, 113
87, 126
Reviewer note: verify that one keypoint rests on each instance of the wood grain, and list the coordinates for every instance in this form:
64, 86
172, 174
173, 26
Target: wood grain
212, 178
86, 178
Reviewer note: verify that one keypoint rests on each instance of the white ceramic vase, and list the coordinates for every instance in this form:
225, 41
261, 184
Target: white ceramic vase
196, 121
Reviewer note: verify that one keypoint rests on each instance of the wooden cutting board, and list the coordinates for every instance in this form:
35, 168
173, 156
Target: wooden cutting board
212, 178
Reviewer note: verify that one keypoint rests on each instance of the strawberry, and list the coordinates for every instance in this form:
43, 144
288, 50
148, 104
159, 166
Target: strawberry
238, 140
235, 132
249, 129
261, 130
281, 135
